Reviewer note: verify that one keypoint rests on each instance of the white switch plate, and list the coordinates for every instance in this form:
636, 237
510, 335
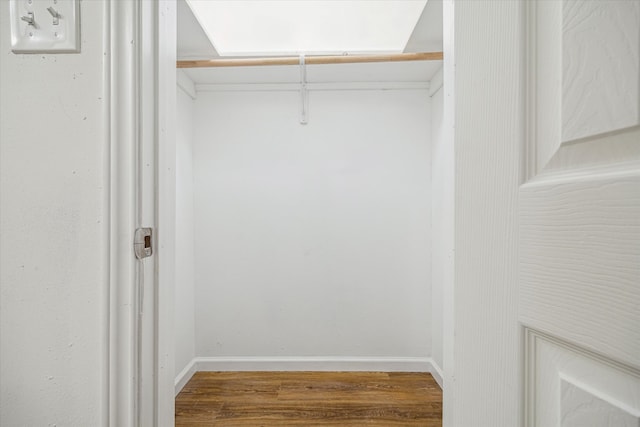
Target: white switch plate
44, 35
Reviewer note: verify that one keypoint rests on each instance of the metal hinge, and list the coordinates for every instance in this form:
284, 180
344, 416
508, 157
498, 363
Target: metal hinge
142, 242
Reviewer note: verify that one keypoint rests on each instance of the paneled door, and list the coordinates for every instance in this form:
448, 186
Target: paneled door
580, 214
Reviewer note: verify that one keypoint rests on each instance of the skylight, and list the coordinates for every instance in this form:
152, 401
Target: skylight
319, 27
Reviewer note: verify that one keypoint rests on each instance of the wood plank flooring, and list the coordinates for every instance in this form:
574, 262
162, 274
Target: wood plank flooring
310, 399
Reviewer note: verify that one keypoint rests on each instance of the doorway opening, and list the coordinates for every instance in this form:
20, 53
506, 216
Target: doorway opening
309, 211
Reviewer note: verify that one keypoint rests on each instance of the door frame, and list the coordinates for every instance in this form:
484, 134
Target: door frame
461, 385
140, 33
122, 112
484, 110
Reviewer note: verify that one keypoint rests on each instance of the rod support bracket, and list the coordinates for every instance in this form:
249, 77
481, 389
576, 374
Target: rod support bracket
304, 93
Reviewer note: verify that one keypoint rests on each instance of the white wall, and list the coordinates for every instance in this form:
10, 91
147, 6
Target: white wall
184, 309
53, 222
441, 217
313, 240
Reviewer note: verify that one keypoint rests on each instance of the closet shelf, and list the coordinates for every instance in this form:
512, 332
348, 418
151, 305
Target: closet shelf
310, 60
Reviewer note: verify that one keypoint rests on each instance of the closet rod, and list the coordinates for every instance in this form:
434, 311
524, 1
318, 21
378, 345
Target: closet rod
294, 60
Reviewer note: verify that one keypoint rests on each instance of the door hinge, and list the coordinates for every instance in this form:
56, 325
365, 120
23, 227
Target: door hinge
142, 242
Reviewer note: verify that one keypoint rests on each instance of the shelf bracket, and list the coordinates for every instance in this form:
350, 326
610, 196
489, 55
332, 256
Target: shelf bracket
304, 93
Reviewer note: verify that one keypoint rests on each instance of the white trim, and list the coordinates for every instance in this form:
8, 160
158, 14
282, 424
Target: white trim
382, 364
295, 87
319, 364
530, 364
107, 309
186, 84
123, 142
436, 373
133, 109
450, 285
165, 207
436, 82
185, 375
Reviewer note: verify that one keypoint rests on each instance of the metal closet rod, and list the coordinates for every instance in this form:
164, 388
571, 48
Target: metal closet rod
310, 60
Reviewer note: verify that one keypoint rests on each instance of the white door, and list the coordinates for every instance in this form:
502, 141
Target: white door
580, 214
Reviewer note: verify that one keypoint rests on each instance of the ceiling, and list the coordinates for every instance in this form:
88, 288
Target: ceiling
314, 27
193, 43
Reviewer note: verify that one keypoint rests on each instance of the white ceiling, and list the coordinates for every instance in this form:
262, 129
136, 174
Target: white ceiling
193, 43
427, 34
313, 27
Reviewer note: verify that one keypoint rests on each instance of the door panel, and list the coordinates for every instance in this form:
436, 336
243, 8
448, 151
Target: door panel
579, 262
576, 388
580, 214
600, 48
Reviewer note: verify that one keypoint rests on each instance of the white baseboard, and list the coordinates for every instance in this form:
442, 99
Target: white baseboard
361, 364
373, 364
436, 372
183, 377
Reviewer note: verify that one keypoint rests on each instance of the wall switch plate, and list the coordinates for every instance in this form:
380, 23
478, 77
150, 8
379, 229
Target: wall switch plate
45, 26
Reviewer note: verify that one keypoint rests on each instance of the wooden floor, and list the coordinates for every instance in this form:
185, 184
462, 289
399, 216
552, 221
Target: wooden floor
309, 399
